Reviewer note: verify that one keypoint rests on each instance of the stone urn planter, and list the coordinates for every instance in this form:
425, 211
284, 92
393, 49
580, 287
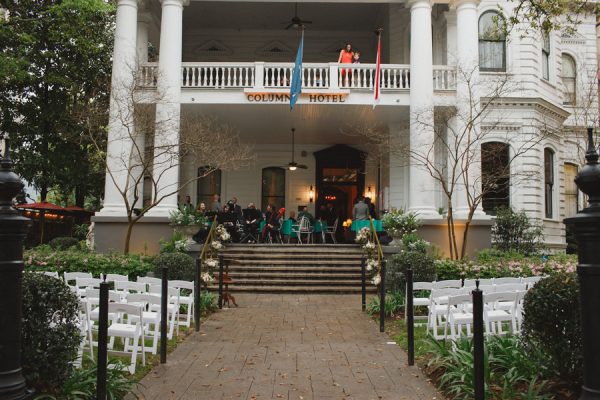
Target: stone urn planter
397, 239
188, 231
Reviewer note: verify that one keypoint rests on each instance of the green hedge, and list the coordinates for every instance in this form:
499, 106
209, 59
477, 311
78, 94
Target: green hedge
44, 258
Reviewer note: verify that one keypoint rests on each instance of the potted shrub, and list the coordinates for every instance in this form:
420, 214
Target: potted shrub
397, 223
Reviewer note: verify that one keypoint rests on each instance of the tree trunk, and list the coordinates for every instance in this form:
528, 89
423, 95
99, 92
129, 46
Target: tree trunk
79, 196
43, 195
128, 236
448, 225
463, 249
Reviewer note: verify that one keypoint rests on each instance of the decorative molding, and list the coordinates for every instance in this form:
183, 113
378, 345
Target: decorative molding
575, 39
274, 49
212, 48
536, 103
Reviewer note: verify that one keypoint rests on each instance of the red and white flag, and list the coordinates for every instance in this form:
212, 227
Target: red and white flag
377, 72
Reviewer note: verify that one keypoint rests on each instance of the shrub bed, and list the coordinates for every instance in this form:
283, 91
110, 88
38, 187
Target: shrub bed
181, 266
50, 332
491, 265
44, 258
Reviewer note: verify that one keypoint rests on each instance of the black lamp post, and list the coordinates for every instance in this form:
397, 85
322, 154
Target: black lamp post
586, 227
13, 229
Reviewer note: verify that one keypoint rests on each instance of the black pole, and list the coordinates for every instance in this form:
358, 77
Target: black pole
220, 282
382, 297
410, 318
197, 294
363, 284
102, 342
164, 298
586, 227
478, 349
13, 230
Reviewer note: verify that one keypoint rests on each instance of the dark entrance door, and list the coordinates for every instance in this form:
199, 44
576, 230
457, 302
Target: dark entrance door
340, 178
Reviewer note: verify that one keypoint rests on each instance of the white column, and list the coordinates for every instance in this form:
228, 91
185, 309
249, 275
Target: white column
421, 194
137, 168
121, 125
467, 96
168, 109
398, 165
451, 37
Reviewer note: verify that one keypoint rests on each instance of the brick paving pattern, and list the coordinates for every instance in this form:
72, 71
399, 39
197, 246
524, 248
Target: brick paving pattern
296, 347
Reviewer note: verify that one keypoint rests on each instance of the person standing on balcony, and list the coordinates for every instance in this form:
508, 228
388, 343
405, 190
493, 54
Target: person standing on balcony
346, 57
215, 206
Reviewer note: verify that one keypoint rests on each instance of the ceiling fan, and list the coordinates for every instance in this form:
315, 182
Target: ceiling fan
296, 22
292, 166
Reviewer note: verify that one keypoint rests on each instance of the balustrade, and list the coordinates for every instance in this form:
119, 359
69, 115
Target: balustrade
212, 75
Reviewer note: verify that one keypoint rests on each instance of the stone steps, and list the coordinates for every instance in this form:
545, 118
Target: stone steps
322, 269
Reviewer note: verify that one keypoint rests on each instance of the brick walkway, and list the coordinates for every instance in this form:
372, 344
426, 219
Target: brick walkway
307, 347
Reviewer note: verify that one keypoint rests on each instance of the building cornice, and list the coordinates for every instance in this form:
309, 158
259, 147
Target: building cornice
538, 104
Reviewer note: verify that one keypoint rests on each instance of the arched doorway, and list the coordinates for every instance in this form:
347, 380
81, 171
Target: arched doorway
340, 178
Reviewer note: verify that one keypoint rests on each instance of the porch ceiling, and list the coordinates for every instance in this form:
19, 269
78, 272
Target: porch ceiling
276, 15
315, 124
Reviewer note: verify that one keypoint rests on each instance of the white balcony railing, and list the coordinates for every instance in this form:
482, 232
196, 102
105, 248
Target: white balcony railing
330, 76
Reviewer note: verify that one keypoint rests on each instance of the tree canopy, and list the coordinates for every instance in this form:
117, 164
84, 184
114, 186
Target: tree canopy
55, 65
548, 15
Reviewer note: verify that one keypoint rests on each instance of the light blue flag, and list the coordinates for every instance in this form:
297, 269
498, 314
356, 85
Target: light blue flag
296, 86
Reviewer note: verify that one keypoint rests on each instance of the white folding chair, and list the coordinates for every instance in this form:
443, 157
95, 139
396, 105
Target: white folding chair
510, 287
92, 303
172, 306
149, 280
126, 287
458, 314
506, 280
438, 307
69, 277
185, 299
453, 283
85, 333
81, 284
424, 300
150, 319
133, 331
530, 281
500, 307
303, 228
331, 231
116, 277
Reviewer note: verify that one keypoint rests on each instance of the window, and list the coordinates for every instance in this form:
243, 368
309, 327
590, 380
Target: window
549, 182
495, 176
208, 185
569, 79
571, 193
546, 56
273, 187
492, 42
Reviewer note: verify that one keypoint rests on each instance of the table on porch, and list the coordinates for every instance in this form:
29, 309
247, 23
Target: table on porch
319, 227
358, 225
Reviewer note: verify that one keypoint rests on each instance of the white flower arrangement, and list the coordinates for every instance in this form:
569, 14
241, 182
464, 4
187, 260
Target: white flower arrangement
371, 265
211, 262
186, 217
216, 245
397, 222
376, 280
180, 245
207, 278
362, 235
369, 246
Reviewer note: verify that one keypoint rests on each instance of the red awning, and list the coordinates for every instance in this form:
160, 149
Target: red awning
44, 205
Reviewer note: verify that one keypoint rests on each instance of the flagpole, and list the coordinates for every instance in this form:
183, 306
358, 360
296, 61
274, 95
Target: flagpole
377, 88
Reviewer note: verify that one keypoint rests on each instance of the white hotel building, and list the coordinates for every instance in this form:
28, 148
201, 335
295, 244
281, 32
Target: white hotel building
233, 60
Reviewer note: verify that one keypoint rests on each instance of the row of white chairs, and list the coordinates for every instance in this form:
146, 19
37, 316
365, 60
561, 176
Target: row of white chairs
442, 312
134, 311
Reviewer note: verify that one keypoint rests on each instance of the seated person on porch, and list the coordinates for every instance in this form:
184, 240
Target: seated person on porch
292, 216
228, 220
251, 219
201, 208
361, 210
271, 228
304, 213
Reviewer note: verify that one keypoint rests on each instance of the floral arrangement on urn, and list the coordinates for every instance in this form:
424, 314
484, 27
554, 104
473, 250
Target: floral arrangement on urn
397, 223
365, 238
188, 222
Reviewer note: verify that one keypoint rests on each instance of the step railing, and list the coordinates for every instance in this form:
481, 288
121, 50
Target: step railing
329, 76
